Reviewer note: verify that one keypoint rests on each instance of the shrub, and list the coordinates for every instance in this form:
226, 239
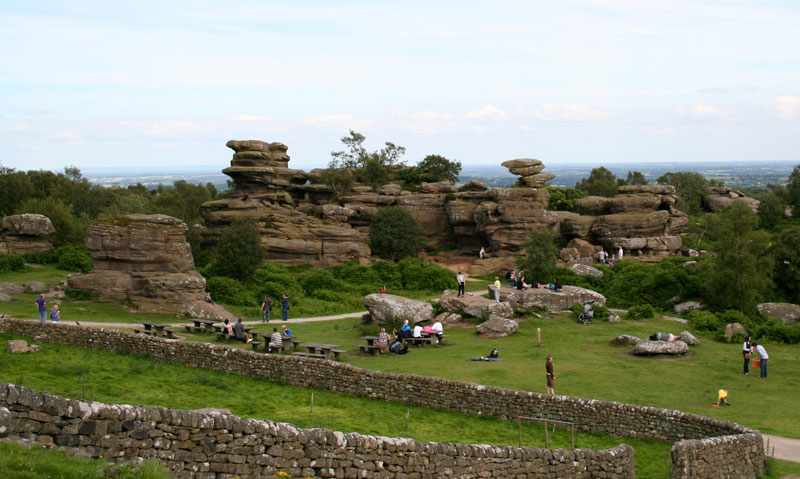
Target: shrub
540, 261
320, 279
78, 294
429, 276
389, 273
228, 290
274, 280
394, 233
641, 311
238, 251
41, 258
705, 321
11, 262
353, 272
73, 259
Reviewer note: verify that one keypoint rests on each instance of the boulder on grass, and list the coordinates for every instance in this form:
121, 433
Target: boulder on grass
539, 298
584, 270
35, 287
17, 346
4, 297
683, 308
389, 308
614, 317
627, 339
786, 312
732, 330
649, 348
11, 288
448, 318
689, 338
474, 306
498, 328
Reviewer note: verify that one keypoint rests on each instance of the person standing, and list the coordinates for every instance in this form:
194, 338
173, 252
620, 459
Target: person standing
266, 309
619, 255
42, 304
497, 289
460, 279
551, 376
285, 307
747, 350
762, 354
482, 253
55, 314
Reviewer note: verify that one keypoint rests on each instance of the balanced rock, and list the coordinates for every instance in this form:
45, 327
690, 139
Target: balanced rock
474, 306
390, 308
689, 338
584, 270
145, 259
648, 348
627, 339
786, 312
498, 327
540, 298
732, 330
23, 234
722, 197
687, 306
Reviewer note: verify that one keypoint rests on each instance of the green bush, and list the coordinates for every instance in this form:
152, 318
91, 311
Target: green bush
73, 259
388, 273
11, 262
354, 273
705, 321
274, 280
417, 274
228, 290
320, 279
78, 294
41, 258
641, 311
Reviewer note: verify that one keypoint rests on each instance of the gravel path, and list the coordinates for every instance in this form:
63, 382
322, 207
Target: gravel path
785, 448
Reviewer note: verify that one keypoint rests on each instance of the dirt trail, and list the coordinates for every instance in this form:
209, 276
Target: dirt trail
785, 448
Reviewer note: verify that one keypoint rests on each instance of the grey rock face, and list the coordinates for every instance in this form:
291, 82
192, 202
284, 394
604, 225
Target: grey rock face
584, 270
498, 327
627, 339
787, 312
540, 298
687, 306
389, 308
475, 306
732, 330
647, 348
689, 338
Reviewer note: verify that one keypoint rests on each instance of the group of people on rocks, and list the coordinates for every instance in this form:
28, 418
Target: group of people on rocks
516, 279
395, 343
602, 257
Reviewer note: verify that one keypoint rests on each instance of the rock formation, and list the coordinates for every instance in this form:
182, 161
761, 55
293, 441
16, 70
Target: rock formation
649, 348
474, 306
786, 312
722, 197
302, 222
391, 309
23, 234
145, 259
498, 328
533, 299
732, 330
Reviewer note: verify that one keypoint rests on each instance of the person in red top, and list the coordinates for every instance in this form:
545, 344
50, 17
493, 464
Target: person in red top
382, 290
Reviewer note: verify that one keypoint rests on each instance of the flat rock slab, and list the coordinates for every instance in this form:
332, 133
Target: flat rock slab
648, 348
787, 312
584, 270
474, 305
17, 346
11, 288
389, 308
540, 298
498, 328
627, 339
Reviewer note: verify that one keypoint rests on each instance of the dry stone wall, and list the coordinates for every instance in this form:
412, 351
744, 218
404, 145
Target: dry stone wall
618, 419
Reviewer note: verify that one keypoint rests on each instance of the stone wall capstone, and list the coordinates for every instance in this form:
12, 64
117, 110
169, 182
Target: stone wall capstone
622, 420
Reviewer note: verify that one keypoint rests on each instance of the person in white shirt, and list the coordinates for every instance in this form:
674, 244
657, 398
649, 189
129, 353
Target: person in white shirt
762, 354
619, 256
461, 284
417, 333
437, 328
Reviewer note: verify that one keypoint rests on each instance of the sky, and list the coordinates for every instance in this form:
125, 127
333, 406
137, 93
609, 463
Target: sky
161, 84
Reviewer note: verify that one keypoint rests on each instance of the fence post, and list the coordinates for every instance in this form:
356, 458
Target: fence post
312, 403
519, 430
573, 435
546, 436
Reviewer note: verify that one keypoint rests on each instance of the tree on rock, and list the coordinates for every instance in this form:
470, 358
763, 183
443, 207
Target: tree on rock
743, 267
636, 178
367, 167
539, 263
601, 182
238, 251
692, 189
394, 234
431, 169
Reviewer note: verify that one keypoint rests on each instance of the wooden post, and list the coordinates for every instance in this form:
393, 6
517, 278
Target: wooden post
573, 435
538, 337
519, 424
408, 411
546, 436
312, 403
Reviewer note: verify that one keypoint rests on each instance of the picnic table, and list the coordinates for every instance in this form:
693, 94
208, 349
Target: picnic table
371, 347
201, 325
287, 342
320, 351
155, 329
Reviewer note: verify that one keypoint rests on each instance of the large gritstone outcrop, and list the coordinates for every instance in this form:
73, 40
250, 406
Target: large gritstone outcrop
146, 260
25, 234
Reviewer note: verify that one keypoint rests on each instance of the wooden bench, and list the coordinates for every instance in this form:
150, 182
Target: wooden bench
337, 352
142, 331
192, 328
170, 333
418, 341
255, 345
225, 336
309, 355
372, 349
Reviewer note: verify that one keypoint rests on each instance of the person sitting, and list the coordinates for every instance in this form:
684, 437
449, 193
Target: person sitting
521, 284
510, 279
555, 285
275, 341
239, 332
286, 331
208, 298
227, 328
383, 341
405, 329
397, 346
382, 290
437, 328
417, 333
663, 337
495, 353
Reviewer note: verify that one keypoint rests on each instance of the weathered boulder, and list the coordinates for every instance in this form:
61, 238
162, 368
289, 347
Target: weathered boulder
389, 308
474, 306
493, 265
146, 259
473, 185
689, 338
438, 187
722, 197
689, 264
540, 298
12, 288
732, 330
586, 249
390, 189
627, 339
4, 297
649, 348
448, 318
614, 317
28, 225
17, 346
584, 270
786, 312
35, 287
498, 328
687, 306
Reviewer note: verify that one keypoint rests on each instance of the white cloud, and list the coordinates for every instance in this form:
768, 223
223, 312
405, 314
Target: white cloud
339, 121
250, 118
569, 112
20, 127
785, 107
432, 115
174, 128
29, 111
707, 111
489, 112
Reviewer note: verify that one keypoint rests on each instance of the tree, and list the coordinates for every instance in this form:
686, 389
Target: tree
563, 199
394, 234
340, 180
786, 254
539, 262
368, 167
238, 251
793, 191
771, 210
70, 230
431, 169
742, 268
601, 182
636, 178
691, 187
15, 188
